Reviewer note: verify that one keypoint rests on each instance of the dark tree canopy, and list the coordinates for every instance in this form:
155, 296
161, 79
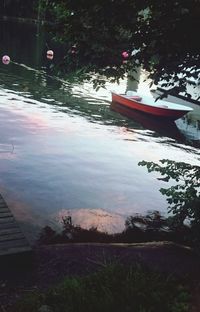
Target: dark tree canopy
19, 8
160, 35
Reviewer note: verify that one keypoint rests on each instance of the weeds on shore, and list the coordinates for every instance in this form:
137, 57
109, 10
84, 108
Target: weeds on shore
115, 288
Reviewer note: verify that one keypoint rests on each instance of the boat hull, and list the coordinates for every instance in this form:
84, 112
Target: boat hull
153, 123
164, 112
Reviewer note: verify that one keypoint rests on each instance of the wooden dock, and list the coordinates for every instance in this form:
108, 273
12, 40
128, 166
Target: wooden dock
12, 240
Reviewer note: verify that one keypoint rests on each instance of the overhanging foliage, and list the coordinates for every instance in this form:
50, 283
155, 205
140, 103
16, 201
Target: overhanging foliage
158, 35
183, 197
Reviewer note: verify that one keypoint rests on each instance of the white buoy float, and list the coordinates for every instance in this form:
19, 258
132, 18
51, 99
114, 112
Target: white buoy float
50, 54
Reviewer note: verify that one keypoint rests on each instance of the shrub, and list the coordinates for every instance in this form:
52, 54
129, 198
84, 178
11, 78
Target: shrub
183, 197
116, 288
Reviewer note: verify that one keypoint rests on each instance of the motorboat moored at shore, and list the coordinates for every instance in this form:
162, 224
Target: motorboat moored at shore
149, 105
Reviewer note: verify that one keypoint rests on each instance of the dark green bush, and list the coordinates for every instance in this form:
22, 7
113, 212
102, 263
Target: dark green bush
116, 288
183, 197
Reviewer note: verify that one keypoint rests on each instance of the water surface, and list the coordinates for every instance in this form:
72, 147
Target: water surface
63, 150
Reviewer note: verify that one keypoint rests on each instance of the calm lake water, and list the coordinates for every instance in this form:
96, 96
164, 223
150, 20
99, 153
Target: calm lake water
64, 151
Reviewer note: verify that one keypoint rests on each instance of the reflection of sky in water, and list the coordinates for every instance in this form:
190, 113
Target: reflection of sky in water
97, 218
62, 149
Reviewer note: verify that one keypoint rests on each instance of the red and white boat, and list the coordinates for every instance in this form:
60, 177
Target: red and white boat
147, 104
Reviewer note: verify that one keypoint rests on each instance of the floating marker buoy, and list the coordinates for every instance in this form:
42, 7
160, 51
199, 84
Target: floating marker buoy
6, 59
50, 54
74, 49
125, 55
50, 57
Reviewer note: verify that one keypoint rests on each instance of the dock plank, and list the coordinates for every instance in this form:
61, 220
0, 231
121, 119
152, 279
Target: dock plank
9, 225
2, 210
2, 205
14, 251
13, 247
12, 239
13, 244
5, 214
7, 220
9, 230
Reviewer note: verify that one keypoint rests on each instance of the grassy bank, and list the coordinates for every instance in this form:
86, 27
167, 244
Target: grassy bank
115, 288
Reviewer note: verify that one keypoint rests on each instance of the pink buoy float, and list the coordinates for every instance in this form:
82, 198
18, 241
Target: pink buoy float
6, 59
125, 54
50, 54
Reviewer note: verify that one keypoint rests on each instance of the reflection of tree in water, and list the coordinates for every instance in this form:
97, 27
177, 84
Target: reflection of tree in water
189, 125
138, 228
133, 80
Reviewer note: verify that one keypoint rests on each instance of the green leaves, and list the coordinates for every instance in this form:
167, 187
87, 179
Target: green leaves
161, 31
184, 197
